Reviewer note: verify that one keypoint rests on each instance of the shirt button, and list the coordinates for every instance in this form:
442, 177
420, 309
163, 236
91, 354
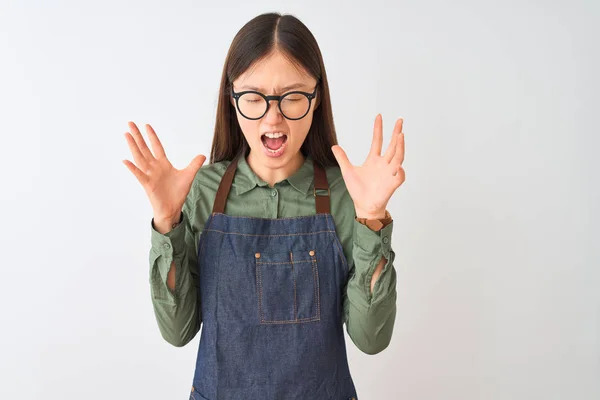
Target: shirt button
385, 240
274, 193
167, 246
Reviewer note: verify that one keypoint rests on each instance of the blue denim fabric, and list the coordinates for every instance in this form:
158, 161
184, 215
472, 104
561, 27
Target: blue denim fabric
271, 301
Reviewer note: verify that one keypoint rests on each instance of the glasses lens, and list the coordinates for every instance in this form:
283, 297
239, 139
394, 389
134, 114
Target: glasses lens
294, 105
252, 105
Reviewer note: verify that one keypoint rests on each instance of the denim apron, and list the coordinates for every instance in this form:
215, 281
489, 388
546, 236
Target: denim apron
270, 293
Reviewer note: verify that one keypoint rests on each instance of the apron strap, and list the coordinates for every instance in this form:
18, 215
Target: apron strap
322, 203
224, 187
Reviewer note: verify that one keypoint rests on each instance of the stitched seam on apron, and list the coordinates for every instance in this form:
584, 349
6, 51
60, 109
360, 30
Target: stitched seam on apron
276, 235
270, 219
204, 241
316, 293
259, 282
295, 305
283, 262
337, 244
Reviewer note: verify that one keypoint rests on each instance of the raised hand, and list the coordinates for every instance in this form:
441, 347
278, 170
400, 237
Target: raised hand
371, 184
166, 186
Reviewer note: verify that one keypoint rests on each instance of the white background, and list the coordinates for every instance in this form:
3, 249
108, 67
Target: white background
496, 227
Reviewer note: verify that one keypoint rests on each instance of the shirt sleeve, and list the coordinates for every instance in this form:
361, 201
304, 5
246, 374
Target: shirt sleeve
370, 316
177, 311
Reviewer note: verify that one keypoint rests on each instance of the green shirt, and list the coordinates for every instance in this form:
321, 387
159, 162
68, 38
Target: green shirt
369, 317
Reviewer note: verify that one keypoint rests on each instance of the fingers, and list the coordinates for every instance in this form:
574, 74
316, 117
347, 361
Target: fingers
377, 137
157, 147
398, 127
196, 164
392, 148
141, 177
341, 157
139, 140
399, 156
138, 157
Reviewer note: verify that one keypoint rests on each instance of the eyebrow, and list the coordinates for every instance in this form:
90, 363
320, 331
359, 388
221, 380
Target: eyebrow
283, 89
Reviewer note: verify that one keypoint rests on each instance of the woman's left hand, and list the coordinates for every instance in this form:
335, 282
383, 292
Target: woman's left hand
372, 184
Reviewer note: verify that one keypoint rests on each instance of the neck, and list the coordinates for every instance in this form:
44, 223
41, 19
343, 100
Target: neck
274, 175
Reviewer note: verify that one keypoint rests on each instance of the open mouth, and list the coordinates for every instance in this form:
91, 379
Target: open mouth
274, 142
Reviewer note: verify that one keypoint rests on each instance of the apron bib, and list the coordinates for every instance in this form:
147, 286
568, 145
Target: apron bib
271, 293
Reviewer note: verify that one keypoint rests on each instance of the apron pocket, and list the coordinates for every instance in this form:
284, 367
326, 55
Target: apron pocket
287, 287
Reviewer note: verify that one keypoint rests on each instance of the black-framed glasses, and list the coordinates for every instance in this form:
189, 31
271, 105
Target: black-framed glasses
254, 105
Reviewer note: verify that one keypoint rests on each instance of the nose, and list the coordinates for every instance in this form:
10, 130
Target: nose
273, 114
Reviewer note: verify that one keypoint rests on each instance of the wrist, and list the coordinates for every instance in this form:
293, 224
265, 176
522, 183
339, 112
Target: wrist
166, 224
375, 214
374, 221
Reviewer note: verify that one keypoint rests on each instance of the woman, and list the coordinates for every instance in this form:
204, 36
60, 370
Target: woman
280, 239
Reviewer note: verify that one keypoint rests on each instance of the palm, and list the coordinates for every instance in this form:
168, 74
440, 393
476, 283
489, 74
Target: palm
371, 184
166, 186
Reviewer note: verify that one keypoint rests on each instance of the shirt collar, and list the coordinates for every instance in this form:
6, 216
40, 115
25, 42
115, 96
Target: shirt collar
245, 179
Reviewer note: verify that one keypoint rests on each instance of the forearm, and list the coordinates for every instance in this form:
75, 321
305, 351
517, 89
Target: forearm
176, 313
377, 215
370, 304
377, 272
370, 317
163, 226
172, 282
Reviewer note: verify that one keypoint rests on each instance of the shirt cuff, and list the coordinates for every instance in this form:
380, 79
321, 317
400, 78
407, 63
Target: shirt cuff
368, 248
171, 243
164, 249
376, 243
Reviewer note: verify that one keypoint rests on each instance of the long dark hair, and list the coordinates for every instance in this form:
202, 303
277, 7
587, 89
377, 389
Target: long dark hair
257, 39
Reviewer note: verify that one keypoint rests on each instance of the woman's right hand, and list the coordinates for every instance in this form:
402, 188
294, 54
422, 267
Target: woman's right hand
166, 186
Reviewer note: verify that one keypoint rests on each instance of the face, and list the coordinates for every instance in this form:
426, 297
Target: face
275, 75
